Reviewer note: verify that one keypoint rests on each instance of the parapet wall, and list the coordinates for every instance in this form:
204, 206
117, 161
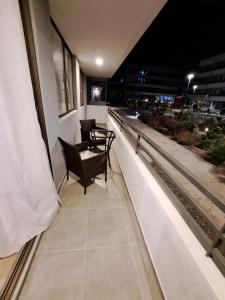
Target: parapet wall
183, 270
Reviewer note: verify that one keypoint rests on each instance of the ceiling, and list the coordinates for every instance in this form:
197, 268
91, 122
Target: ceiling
103, 28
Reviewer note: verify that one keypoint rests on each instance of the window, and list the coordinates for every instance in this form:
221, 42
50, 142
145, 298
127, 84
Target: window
97, 91
63, 63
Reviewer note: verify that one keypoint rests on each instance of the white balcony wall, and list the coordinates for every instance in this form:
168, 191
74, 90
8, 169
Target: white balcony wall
98, 112
66, 127
180, 262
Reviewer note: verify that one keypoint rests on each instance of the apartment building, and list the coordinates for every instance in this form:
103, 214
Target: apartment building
139, 82
211, 80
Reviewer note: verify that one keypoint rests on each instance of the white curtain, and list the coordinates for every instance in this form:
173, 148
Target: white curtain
28, 199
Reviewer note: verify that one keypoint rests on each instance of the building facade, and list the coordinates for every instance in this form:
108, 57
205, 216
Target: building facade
139, 82
211, 80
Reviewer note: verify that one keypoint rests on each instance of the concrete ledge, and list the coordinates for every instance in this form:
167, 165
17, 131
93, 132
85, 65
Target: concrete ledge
179, 259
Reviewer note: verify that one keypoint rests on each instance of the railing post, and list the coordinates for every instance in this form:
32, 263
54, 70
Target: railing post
218, 238
137, 145
121, 125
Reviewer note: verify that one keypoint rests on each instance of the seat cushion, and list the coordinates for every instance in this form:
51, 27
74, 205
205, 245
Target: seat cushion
87, 154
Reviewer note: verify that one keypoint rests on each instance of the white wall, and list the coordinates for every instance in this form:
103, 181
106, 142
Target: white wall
184, 272
98, 112
68, 126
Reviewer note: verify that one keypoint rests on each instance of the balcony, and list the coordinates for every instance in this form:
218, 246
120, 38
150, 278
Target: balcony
126, 239
94, 249
105, 224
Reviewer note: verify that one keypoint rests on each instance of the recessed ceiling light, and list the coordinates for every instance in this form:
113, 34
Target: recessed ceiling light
99, 61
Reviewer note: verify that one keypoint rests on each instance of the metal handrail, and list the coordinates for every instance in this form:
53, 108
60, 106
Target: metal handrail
177, 165
211, 246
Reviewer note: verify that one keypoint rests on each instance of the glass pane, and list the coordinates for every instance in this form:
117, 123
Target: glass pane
97, 92
69, 80
59, 70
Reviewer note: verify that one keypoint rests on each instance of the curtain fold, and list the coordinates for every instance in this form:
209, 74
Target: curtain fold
28, 198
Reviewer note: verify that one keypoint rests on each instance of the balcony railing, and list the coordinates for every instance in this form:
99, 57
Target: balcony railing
214, 239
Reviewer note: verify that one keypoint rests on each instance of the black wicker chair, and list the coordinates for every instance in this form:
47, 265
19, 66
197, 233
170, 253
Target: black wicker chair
86, 169
86, 127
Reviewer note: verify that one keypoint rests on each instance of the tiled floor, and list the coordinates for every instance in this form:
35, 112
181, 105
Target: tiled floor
94, 249
6, 265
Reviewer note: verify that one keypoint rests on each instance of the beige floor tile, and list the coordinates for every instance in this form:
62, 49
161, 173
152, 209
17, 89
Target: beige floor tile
106, 228
103, 195
134, 231
148, 283
58, 276
6, 265
73, 198
110, 274
114, 162
68, 231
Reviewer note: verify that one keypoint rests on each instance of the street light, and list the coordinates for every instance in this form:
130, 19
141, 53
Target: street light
194, 89
189, 77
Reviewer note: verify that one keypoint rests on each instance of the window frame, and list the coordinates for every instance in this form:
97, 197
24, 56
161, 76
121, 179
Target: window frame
65, 48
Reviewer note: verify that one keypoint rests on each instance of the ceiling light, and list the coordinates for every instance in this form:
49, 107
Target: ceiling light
99, 61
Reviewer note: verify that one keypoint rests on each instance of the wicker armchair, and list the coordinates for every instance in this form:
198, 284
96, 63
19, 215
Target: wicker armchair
86, 127
86, 169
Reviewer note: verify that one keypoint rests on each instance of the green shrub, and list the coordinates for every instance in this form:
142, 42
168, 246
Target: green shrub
215, 134
222, 126
171, 124
211, 123
217, 153
144, 117
162, 120
148, 119
190, 124
185, 138
206, 144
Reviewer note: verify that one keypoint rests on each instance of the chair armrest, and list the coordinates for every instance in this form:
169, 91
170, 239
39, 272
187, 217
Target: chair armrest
96, 158
81, 146
100, 130
95, 165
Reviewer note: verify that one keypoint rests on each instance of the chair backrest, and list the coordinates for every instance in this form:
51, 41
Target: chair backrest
88, 124
72, 158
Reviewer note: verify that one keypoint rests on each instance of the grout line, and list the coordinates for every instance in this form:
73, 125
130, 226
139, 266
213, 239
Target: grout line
84, 266
88, 248
90, 209
127, 218
137, 274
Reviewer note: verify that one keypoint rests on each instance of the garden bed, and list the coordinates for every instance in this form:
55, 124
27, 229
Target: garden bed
205, 136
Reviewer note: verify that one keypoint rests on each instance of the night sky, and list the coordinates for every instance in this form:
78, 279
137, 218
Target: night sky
184, 32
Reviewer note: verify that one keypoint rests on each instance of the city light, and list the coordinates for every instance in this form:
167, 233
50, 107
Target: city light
195, 87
